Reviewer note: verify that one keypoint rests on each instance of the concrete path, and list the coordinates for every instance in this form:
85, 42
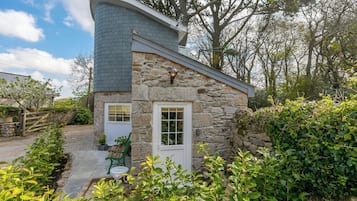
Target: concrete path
87, 162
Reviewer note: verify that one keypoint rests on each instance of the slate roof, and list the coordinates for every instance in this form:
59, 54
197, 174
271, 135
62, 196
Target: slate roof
9, 77
140, 44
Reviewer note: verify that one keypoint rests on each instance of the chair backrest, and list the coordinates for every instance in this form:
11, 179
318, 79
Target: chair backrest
127, 143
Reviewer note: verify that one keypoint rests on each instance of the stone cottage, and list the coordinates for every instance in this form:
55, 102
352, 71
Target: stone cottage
143, 85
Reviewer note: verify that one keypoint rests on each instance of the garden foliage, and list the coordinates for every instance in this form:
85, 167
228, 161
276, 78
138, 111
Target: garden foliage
30, 176
314, 157
247, 178
82, 116
321, 139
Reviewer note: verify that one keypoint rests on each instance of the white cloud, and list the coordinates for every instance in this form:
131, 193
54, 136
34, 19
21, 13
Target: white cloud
68, 21
66, 90
79, 11
48, 8
19, 25
26, 58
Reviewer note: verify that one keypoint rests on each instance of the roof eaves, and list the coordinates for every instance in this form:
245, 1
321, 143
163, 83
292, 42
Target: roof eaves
143, 45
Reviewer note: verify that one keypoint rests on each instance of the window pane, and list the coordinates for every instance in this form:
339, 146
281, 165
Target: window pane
164, 115
172, 140
119, 113
179, 126
164, 126
172, 126
172, 115
164, 140
179, 115
179, 138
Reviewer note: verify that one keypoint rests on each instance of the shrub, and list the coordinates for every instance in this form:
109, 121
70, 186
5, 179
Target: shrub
29, 176
247, 178
20, 183
82, 116
321, 140
44, 155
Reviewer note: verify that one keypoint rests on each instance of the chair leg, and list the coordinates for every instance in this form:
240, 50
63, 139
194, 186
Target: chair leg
110, 166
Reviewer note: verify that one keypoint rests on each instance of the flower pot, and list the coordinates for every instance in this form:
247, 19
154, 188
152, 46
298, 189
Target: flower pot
102, 147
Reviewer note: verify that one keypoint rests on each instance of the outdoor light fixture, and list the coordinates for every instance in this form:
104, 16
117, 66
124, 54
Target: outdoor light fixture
173, 72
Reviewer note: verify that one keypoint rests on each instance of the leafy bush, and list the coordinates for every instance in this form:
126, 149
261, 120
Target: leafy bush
28, 177
82, 116
247, 178
20, 183
44, 155
320, 138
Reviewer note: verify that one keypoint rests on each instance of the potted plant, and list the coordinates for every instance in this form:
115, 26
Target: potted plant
102, 146
120, 140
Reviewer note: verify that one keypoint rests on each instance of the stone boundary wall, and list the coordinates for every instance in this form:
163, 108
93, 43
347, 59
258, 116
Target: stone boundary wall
248, 133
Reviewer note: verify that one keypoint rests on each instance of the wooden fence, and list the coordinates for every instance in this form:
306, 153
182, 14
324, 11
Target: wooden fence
36, 121
30, 122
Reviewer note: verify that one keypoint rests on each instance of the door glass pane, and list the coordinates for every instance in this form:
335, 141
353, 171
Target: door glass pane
179, 126
172, 115
164, 140
172, 126
179, 138
172, 140
164, 126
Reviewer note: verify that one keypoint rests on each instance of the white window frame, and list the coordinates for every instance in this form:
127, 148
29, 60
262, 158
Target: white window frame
118, 104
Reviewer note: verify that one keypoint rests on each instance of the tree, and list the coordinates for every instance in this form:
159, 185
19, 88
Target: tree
82, 75
222, 22
28, 93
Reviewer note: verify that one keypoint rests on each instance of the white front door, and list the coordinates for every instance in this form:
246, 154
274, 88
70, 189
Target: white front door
117, 121
172, 132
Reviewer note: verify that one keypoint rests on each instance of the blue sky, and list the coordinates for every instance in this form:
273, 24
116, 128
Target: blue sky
42, 37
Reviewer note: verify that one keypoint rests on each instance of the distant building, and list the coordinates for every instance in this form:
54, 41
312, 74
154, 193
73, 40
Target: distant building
10, 77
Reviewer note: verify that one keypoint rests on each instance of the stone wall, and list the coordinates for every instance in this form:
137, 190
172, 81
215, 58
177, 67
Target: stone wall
214, 105
249, 132
100, 98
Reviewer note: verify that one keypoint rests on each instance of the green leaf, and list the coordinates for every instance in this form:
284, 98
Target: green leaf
254, 195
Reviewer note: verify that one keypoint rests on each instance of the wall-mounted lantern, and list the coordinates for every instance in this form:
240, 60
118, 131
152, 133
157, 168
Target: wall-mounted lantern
173, 72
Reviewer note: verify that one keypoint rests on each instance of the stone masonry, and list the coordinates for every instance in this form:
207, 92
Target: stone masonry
248, 133
214, 105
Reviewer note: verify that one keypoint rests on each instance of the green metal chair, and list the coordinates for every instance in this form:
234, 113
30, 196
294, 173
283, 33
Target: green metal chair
118, 153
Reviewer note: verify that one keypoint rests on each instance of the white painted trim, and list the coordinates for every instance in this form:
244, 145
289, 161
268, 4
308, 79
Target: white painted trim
187, 128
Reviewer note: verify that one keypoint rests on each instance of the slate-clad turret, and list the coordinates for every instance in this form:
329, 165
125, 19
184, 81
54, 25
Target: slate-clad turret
115, 21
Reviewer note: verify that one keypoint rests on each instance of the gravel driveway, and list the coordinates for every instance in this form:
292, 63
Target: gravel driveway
77, 137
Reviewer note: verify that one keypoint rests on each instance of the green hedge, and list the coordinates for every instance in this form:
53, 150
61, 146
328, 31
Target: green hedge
29, 177
321, 138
